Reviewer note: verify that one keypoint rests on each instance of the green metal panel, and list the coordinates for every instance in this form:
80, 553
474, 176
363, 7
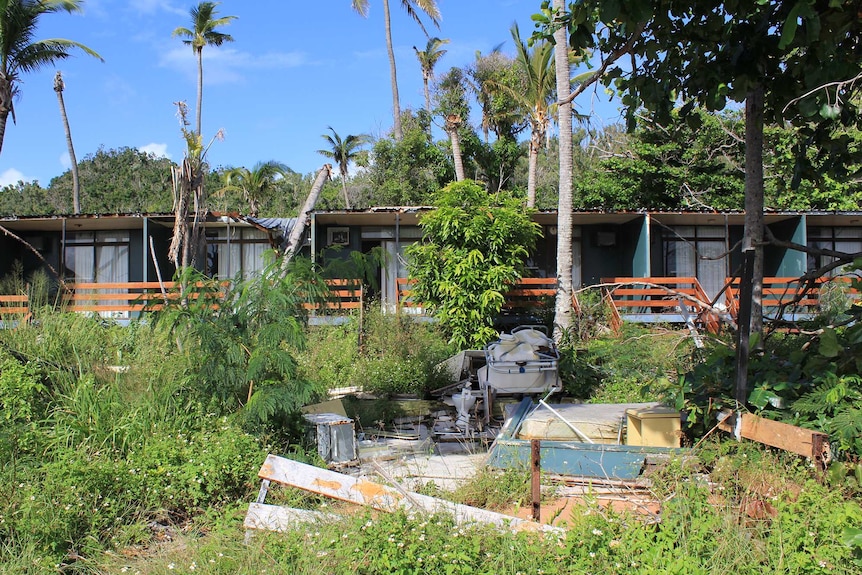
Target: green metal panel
641, 256
568, 457
791, 263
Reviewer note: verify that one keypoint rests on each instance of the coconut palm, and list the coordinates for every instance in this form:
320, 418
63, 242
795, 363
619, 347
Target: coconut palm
451, 100
20, 53
256, 184
59, 86
538, 69
563, 303
412, 7
342, 152
428, 58
203, 33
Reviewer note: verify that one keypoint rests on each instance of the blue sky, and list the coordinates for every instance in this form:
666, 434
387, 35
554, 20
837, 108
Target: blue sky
294, 68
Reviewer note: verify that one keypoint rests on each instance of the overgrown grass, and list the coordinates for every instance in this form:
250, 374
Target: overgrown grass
111, 462
626, 367
703, 529
396, 355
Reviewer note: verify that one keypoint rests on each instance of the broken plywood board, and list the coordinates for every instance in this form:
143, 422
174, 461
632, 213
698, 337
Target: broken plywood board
381, 497
278, 518
805, 442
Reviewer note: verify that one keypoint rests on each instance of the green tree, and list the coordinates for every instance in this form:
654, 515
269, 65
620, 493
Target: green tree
412, 7
256, 185
428, 58
500, 111
25, 199
20, 53
203, 33
343, 152
406, 172
474, 249
123, 180
791, 61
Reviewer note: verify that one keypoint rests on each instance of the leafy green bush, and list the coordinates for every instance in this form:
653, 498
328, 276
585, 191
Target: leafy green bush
240, 356
85, 499
474, 248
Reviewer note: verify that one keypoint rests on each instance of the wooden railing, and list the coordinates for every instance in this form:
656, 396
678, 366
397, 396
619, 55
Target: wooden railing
344, 295
660, 299
788, 298
119, 299
126, 297
527, 293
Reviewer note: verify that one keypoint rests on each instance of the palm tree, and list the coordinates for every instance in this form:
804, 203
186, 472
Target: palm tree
563, 304
536, 96
428, 58
429, 7
20, 53
203, 33
59, 86
342, 152
255, 184
451, 99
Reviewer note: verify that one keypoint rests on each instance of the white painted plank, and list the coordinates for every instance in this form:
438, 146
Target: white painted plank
278, 518
382, 497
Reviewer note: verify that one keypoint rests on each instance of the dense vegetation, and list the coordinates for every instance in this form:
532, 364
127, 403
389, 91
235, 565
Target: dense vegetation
135, 449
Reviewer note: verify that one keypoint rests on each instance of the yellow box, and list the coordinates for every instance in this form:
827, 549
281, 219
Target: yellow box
653, 427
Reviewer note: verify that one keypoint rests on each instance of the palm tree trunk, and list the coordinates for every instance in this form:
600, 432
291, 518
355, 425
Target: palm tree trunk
563, 305
295, 239
344, 191
200, 53
453, 122
533, 168
76, 189
5, 106
425, 80
396, 106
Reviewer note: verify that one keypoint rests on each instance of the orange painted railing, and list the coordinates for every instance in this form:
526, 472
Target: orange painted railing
344, 295
528, 292
659, 299
787, 297
122, 298
125, 297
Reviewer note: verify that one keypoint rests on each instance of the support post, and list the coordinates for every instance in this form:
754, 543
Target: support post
743, 326
536, 477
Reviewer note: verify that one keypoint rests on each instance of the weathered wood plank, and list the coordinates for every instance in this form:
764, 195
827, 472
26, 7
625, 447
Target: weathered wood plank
805, 442
381, 497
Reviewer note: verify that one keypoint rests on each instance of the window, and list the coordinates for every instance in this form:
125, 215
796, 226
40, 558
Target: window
838, 239
101, 257
236, 252
697, 251
98, 257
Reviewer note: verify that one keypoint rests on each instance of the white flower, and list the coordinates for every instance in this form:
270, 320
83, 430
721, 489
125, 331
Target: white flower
597, 532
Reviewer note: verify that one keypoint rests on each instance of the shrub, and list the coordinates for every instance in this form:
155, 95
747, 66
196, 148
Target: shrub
398, 354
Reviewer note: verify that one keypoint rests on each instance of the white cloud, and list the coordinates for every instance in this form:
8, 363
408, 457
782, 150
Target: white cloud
65, 161
225, 65
158, 150
11, 177
153, 6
